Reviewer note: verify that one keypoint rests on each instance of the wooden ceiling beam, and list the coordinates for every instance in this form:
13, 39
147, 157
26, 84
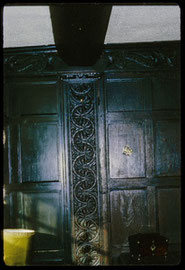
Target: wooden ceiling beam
79, 31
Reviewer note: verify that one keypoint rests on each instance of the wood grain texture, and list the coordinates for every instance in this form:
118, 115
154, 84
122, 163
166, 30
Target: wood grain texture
167, 148
128, 214
169, 211
39, 152
129, 94
145, 116
127, 134
137, 104
33, 98
166, 93
36, 217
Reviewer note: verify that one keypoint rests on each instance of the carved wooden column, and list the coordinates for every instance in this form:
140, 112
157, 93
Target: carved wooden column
82, 127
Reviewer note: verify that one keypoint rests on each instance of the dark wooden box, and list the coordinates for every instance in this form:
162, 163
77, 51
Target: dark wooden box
148, 245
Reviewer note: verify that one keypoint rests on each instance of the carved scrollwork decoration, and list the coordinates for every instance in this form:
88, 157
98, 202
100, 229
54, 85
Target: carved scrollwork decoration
149, 59
153, 59
33, 63
114, 59
122, 58
84, 173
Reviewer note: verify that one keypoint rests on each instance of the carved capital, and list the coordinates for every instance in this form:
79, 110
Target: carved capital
78, 75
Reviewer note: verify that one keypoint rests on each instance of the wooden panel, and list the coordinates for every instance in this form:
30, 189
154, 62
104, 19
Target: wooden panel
169, 213
16, 210
128, 214
128, 95
166, 94
121, 135
35, 98
42, 213
167, 148
13, 156
39, 153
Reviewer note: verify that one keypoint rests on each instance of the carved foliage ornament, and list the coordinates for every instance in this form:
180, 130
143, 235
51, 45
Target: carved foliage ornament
151, 59
33, 63
84, 174
119, 59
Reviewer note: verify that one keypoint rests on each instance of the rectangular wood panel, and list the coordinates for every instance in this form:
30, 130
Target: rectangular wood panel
167, 148
166, 94
34, 98
169, 213
13, 154
42, 212
126, 134
16, 210
131, 94
39, 152
128, 214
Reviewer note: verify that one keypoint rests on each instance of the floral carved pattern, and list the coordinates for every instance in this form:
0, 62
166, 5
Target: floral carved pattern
84, 174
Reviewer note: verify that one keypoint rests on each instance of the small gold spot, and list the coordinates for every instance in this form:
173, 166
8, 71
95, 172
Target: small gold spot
127, 150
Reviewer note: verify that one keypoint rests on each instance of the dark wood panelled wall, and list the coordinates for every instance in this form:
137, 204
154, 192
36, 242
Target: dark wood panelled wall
92, 155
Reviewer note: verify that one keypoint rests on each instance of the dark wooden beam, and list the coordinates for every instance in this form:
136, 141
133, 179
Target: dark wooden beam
79, 31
